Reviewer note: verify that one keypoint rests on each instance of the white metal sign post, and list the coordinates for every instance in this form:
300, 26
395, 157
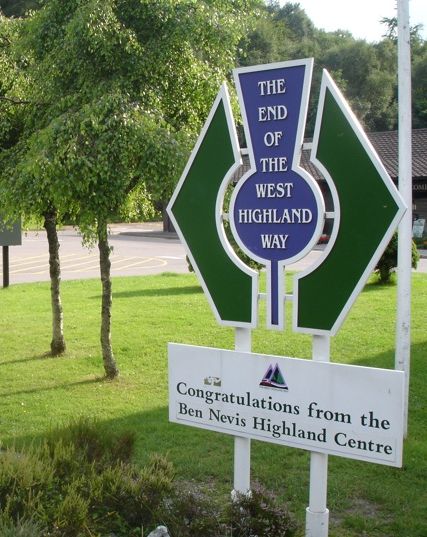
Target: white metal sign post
403, 323
317, 514
242, 445
276, 215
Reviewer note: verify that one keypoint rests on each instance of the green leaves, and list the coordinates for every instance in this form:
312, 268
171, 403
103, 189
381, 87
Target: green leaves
366, 71
121, 85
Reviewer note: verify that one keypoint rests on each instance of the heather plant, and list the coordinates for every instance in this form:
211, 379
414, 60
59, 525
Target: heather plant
260, 514
192, 512
21, 528
80, 481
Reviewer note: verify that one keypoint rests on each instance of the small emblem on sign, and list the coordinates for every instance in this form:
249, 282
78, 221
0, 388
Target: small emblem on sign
212, 381
273, 378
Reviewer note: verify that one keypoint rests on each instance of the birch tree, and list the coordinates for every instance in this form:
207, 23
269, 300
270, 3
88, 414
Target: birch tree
123, 85
23, 192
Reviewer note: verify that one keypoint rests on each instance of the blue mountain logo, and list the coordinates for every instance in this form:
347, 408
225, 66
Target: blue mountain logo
273, 378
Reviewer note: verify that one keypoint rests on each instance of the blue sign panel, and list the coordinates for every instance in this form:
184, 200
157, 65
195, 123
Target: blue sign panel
277, 210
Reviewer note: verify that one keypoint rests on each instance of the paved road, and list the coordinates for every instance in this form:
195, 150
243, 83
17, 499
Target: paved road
138, 249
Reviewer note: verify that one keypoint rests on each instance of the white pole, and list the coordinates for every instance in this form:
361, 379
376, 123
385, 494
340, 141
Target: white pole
242, 446
317, 514
404, 259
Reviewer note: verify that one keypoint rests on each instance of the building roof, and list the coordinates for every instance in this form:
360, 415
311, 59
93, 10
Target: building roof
386, 145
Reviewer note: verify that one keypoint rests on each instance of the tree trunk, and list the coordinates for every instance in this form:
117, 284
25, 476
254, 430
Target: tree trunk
110, 367
167, 224
57, 345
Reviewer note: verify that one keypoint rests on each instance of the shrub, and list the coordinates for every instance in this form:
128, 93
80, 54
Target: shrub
93, 443
388, 261
127, 497
192, 513
80, 481
24, 476
22, 528
73, 511
75, 484
260, 514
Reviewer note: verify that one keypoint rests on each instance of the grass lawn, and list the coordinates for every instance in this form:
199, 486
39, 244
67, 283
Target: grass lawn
39, 393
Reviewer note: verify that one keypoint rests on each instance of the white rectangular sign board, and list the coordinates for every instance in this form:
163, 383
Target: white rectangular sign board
338, 409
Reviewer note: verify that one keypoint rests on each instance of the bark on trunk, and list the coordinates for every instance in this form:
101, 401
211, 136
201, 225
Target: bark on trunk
110, 367
57, 345
167, 224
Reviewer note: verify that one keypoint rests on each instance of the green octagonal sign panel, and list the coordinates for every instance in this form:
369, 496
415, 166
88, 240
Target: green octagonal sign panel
195, 211
367, 206
367, 210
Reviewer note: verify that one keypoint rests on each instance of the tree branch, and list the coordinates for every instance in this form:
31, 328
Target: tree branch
5, 41
13, 100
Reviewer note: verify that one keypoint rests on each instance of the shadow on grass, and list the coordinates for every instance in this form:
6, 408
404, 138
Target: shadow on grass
152, 424
195, 453
167, 291
63, 386
46, 356
378, 286
207, 457
37, 358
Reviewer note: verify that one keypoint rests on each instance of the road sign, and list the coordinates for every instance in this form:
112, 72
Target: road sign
277, 210
349, 411
367, 209
195, 211
276, 215
10, 235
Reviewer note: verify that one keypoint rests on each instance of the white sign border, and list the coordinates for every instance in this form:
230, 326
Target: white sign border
329, 84
347, 368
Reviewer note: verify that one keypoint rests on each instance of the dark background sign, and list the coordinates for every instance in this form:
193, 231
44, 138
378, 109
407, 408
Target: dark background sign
10, 235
